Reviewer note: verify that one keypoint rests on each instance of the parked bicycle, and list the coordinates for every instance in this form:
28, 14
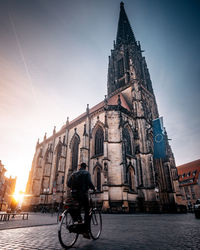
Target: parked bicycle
69, 230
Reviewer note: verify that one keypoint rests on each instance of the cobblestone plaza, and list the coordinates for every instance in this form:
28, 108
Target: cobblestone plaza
125, 231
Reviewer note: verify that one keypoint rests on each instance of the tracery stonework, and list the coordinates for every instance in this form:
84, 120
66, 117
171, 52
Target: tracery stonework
114, 138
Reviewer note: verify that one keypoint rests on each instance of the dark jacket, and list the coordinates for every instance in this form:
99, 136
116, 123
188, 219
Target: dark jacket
80, 181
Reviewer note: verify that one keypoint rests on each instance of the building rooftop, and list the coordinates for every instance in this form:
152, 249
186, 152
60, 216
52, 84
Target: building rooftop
189, 173
112, 101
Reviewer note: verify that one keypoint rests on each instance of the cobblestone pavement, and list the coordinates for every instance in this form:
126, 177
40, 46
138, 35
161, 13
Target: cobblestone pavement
133, 231
34, 219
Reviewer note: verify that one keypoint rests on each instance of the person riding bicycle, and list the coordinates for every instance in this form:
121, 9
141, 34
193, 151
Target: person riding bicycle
79, 183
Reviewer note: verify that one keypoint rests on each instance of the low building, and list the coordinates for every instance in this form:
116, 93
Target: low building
189, 182
7, 188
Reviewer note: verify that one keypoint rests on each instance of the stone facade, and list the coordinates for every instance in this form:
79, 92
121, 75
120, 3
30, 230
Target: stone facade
114, 138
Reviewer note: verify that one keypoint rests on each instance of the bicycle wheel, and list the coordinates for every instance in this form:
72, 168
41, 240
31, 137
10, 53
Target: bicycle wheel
66, 237
95, 224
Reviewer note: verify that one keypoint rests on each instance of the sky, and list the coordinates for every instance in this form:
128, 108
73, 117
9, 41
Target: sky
54, 61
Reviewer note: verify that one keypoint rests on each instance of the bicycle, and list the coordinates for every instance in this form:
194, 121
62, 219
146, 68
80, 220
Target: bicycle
69, 231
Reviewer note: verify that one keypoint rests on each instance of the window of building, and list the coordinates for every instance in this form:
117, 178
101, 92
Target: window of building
59, 159
48, 157
120, 68
194, 173
188, 174
63, 178
59, 149
99, 139
127, 141
75, 147
61, 164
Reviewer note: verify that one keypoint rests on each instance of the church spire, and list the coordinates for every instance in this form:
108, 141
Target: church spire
124, 31
126, 63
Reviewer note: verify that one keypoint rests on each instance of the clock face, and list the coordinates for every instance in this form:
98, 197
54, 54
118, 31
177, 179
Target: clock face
158, 138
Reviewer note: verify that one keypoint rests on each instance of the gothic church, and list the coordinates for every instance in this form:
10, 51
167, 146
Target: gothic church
114, 138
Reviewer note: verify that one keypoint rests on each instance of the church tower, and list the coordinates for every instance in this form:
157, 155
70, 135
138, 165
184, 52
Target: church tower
126, 63
128, 76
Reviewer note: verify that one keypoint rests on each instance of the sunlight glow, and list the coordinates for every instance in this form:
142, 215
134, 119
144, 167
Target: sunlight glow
19, 196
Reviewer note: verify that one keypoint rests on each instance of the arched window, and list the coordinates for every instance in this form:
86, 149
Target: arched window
48, 156
98, 181
127, 141
75, 153
58, 155
120, 68
99, 139
59, 149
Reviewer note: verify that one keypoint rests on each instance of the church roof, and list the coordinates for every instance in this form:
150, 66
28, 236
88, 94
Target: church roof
111, 101
114, 100
124, 31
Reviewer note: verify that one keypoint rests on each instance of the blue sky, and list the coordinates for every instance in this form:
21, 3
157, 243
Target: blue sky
54, 59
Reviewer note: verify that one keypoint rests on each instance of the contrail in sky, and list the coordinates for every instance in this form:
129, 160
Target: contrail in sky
22, 57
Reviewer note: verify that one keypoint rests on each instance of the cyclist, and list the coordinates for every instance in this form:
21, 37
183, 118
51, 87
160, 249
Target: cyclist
80, 182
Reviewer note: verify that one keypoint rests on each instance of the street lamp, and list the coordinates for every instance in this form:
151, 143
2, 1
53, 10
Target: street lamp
157, 192
46, 191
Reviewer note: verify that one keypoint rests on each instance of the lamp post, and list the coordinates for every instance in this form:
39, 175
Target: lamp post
62, 190
157, 192
46, 191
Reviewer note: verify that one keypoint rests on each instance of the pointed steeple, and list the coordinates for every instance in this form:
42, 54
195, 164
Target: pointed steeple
126, 63
124, 31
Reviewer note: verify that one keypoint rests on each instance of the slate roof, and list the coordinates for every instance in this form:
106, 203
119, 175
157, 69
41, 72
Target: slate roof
111, 101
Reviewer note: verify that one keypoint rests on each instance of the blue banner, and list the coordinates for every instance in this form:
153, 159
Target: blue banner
159, 140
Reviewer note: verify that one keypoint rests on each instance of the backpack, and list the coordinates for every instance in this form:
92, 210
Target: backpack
76, 181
